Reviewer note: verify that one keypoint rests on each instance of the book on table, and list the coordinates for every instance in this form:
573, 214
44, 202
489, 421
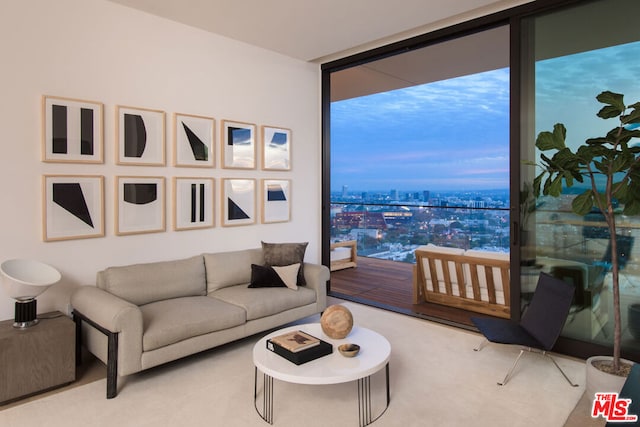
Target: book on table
295, 341
299, 347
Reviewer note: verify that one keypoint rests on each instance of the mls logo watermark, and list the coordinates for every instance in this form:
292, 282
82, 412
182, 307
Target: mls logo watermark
612, 408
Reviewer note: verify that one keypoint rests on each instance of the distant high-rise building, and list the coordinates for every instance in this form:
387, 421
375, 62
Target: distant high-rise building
425, 195
345, 191
394, 195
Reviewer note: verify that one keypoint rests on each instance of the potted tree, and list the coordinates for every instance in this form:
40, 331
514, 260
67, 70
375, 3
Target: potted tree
611, 166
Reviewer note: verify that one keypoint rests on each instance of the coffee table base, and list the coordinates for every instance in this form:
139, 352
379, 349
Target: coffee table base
364, 398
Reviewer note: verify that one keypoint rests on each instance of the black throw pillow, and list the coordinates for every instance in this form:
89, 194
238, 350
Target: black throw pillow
265, 277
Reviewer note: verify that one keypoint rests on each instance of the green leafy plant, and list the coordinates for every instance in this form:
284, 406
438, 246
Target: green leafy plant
612, 157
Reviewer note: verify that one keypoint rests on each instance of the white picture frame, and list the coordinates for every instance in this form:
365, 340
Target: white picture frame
140, 136
193, 203
140, 204
73, 207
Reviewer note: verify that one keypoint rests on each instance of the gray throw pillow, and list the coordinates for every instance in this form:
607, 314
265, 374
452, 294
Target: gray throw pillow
282, 254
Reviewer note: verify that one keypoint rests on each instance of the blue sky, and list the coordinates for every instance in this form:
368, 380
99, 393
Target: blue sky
452, 135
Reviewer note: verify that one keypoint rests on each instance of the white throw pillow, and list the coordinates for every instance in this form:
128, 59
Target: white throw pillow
288, 274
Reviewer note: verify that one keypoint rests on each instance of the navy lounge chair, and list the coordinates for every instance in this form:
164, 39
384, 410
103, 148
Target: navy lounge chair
540, 325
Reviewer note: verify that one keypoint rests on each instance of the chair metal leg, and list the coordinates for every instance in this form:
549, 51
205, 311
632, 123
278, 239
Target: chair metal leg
481, 346
506, 378
560, 369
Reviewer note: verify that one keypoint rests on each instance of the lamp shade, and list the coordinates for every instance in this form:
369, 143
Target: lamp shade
24, 279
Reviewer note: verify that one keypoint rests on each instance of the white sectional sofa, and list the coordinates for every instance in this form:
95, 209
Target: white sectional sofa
143, 315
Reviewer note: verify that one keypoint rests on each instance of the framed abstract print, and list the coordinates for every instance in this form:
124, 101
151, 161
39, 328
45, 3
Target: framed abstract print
238, 201
141, 136
276, 200
238, 145
194, 141
72, 130
276, 148
193, 200
140, 204
73, 207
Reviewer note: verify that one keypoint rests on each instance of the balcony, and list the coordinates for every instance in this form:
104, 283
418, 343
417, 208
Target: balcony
387, 233
389, 285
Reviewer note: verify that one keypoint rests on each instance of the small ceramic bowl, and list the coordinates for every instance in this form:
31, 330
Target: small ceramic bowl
349, 350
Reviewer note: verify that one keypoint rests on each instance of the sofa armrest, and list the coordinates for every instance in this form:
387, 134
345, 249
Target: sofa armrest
316, 276
118, 316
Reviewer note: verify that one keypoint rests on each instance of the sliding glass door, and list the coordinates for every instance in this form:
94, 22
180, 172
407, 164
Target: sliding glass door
569, 57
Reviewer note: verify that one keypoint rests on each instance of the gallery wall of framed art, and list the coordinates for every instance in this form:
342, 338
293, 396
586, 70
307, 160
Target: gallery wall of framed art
238, 193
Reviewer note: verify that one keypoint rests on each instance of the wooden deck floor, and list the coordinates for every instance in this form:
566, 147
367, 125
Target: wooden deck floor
389, 284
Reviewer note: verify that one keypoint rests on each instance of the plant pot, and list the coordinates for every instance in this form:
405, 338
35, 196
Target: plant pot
634, 320
602, 382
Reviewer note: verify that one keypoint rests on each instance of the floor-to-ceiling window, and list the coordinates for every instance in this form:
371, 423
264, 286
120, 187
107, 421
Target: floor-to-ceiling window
562, 54
570, 56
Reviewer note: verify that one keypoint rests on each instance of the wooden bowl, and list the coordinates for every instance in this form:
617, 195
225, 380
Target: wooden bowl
349, 350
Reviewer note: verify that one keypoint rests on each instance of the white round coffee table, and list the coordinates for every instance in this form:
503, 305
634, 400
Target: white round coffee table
334, 368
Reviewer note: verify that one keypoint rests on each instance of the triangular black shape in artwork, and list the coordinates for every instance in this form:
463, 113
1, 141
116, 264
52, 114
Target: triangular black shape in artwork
69, 196
234, 211
198, 147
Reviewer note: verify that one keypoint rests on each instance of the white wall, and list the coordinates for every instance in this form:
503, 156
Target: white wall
100, 51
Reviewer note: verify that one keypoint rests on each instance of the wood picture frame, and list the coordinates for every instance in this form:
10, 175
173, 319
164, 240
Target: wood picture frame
73, 207
276, 200
238, 145
140, 133
193, 203
238, 201
72, 130
194, 141
140, 204
276, 148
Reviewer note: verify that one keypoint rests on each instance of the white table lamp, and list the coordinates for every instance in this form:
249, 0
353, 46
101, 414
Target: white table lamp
23, 280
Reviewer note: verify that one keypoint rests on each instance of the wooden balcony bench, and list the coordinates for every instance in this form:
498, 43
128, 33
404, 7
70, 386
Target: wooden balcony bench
471, 280
343, 255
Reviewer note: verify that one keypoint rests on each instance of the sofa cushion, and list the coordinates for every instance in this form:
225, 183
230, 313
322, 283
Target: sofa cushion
289, 275
261, 302
230, 268
441, 287
171, 321
497, 277
482, 280
281, 254
145, 283
265, 277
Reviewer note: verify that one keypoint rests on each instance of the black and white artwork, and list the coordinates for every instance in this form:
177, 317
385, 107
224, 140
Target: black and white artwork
140, 206
73, 207
238, 145
194, 141
72, 130
238, 201
193, 203
141, 136
276, 148
276, 200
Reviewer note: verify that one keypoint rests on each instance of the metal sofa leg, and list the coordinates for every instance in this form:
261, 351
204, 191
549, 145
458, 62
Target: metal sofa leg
78, 321
112, 365
112, 352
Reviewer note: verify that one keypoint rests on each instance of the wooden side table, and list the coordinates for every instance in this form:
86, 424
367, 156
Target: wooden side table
38, 358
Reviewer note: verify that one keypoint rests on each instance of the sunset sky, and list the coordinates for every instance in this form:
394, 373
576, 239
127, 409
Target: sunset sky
454, 134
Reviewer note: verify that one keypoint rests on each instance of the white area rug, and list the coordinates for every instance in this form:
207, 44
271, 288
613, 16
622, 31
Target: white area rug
436, 380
